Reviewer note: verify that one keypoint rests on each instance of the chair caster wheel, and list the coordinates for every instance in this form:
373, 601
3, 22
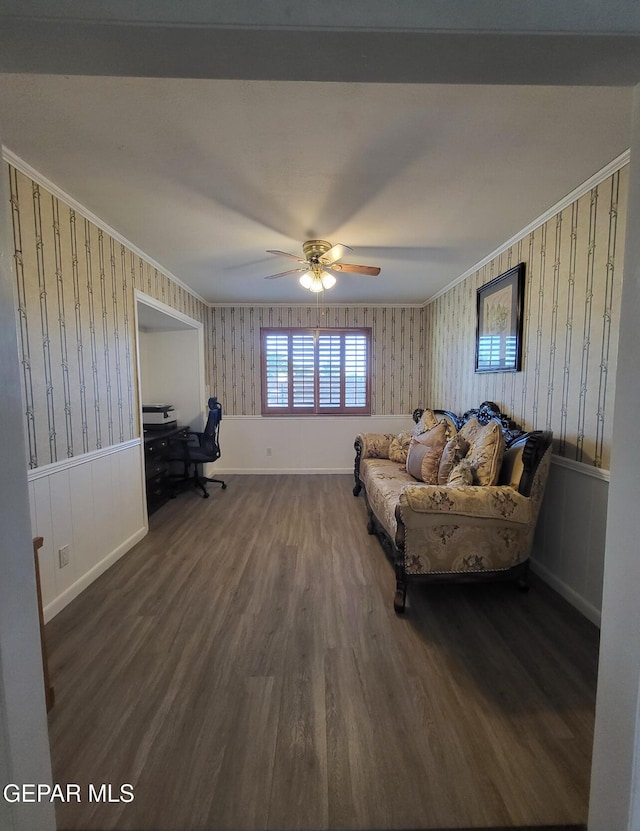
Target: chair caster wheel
224, 486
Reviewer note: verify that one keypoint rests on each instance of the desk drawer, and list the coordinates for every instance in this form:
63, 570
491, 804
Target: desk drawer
153, 446
154, 467
158, 490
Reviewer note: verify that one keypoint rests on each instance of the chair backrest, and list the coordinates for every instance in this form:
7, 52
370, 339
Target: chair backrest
210, 436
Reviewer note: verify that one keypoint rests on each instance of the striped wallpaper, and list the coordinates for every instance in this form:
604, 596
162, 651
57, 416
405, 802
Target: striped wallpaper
75, 305
572, 308
398, 351
75, 299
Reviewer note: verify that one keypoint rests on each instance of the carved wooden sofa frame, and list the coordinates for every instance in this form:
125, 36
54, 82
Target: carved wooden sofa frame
522, 479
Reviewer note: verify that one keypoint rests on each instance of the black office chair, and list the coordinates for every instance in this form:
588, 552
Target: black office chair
194, 449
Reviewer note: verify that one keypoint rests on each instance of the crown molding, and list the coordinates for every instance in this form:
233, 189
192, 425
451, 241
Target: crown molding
616, 164
15, 161
324, 307
608, 170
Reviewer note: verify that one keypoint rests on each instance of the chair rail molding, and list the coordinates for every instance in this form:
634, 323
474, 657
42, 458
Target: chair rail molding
82, 459
91, 508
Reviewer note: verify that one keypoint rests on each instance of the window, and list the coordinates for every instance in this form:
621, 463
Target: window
315, 371
497, 351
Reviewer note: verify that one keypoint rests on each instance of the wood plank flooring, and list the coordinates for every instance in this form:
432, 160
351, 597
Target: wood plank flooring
243, 669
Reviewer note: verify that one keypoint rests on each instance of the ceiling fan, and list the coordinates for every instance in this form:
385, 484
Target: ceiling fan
319, 264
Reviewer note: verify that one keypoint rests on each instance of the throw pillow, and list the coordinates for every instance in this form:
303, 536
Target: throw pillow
470, 430
485, 454
425, 452
454, 451
426, 421
398, 447
461, 475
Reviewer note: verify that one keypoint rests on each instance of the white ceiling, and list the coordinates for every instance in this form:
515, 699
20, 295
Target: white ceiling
204, 175
347, 131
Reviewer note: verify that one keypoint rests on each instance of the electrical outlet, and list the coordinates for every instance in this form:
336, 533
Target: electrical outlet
268, 451
63, 556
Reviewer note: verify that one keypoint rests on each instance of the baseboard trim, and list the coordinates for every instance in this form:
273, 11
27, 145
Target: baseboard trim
270, 471
571, 595
57, 605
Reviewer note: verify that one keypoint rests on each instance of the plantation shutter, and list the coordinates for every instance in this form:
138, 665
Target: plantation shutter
303, 363
276, 353
329, 371
355, 370
315, 371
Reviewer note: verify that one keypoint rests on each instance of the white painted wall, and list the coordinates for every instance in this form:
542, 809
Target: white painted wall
569, 543
24, 740
169, 373
94, 504
318, 444
616, 749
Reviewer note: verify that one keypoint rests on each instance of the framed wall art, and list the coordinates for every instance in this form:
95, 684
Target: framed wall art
499, 323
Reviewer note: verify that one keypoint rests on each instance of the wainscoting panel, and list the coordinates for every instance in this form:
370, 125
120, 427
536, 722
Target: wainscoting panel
318, 444
570, 536
95, 505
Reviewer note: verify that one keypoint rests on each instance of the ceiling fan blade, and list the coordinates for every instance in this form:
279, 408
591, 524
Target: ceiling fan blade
371, 270
282, 273
284, 254
336, 252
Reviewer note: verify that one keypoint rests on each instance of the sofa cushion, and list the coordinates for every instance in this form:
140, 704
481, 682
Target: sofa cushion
486, 449
398, 447
512, 467
454, 451
383, 482
375, 445
426, 421
461, 475
425, 452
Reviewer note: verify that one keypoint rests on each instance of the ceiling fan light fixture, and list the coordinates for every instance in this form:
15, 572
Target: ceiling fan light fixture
328, 280
319, 263
306, 280
316, 280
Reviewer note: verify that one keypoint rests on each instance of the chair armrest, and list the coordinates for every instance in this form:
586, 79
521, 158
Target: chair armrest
187, 437
373, 445
182, 442
497, 502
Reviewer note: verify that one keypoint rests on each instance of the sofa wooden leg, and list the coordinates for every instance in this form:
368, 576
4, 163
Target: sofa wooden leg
523, 580
400, 597
357, 488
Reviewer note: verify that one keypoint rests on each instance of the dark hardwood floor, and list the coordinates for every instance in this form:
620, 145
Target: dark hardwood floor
242, 668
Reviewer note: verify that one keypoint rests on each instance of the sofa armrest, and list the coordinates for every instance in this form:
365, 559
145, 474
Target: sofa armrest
499, 502
374, 445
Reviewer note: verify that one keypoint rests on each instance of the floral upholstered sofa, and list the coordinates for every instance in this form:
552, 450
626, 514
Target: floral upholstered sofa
458, 498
